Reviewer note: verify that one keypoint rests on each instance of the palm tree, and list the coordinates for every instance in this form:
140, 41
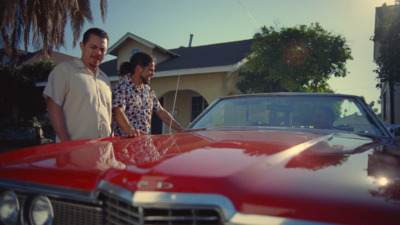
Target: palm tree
46, 19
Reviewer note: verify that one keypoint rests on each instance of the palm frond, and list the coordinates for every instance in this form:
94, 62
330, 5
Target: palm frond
103, 8
43, 22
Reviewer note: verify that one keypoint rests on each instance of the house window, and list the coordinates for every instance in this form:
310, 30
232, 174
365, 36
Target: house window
198, 105
135, 50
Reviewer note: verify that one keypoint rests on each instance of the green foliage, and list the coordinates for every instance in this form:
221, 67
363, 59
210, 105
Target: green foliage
371, 105
37, 72
42, 23
20, 99
387, 34
294, 59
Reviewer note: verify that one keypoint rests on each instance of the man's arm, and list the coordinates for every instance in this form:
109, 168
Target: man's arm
124, 124
169, 120
57, 119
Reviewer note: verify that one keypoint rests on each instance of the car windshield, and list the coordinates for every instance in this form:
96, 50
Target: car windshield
335, 113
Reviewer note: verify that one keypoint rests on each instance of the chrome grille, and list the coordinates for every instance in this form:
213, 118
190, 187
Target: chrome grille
122, 213
66, 213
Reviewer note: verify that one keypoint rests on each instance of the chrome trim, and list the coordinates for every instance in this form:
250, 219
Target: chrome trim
378, 121
150, 198
69, 213
241, 219
168, 198
231, 216
49, 190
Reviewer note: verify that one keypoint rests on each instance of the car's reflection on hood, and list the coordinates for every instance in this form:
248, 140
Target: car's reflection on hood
141, 151
384, 168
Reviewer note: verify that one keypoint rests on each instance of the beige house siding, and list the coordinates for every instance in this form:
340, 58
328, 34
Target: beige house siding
209, 86
160, 56
125, 53
182, 110
231, 81
122, 49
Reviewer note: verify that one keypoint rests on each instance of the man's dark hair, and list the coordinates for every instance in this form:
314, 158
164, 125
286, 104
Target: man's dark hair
95, 31
142, 59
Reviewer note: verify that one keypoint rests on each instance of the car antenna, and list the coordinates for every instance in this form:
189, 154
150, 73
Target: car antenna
173, 107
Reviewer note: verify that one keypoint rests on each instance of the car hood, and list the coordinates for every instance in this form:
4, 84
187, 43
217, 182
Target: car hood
270, 172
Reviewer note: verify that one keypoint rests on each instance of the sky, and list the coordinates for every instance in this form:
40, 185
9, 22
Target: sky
169, 23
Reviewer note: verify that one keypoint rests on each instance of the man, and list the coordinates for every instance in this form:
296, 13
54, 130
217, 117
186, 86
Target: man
78, 94
134, 101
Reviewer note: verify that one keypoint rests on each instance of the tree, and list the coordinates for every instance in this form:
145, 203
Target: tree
6, 99
29, 103
300, 58
387, 34
32, 103
46, 19
371, 105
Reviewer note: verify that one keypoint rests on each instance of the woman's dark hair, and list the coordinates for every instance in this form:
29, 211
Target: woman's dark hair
124, 68
142, 59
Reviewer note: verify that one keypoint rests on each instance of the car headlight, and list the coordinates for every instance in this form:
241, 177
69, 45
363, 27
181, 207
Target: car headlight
41, 211
9, 208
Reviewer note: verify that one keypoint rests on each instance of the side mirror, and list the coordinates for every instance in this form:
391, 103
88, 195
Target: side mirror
394, 129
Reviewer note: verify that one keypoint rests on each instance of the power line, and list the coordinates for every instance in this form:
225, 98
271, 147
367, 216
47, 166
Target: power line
249, 14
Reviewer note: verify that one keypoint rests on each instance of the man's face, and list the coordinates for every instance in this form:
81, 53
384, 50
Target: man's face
93, 51
147, 72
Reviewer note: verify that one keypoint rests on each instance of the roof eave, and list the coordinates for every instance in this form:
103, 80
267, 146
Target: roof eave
190, 71
113, 50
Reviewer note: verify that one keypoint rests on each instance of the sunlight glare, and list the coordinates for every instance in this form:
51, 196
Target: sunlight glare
383, 181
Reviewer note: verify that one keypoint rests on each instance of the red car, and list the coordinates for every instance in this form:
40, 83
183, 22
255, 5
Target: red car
283, 158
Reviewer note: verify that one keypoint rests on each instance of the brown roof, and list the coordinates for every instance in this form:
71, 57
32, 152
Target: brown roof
32, 57
213, 55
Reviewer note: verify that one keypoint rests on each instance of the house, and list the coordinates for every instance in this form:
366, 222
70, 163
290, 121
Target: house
25, 57
390, 96
187, 79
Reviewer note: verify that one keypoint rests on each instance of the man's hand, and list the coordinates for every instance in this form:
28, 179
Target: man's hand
169, 120
57, 119
132, 132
